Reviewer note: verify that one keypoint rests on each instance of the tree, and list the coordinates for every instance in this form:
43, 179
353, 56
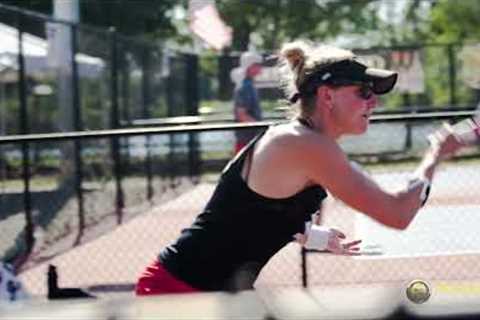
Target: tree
455, 21
132, 18
276, 21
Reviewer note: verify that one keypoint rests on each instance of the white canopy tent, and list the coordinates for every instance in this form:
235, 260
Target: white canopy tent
35, 50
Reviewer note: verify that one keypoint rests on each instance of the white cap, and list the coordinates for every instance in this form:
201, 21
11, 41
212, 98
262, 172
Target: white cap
248, 58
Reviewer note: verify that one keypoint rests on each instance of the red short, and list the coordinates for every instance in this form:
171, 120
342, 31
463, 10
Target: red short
157, 280
239, 146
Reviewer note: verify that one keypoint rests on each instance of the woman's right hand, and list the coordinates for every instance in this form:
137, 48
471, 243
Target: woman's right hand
444, 142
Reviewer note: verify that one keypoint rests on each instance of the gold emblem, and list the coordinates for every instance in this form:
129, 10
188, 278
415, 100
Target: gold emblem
418, 291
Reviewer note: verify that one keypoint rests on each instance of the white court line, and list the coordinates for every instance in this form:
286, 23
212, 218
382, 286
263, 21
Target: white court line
380, 255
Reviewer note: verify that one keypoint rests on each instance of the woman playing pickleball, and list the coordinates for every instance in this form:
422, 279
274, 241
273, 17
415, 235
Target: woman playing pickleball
267, 193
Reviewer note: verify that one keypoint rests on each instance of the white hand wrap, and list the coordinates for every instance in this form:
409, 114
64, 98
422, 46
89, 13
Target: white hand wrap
317, 236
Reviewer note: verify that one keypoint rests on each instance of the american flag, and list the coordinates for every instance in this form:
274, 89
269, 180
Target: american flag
207, 24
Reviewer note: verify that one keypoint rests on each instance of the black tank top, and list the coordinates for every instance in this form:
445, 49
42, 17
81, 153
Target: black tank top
238, 232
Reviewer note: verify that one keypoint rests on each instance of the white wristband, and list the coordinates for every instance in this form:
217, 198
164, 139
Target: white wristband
317, 237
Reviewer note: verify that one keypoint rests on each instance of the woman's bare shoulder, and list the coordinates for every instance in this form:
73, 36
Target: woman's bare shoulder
297, 136
309, 153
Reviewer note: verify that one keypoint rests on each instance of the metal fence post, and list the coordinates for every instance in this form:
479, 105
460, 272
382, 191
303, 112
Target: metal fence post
24, 129
78, 125
192, 103
170, 94
117, 168
408, 126
451, 75
146, 100
124, 111
225, 85
304, 267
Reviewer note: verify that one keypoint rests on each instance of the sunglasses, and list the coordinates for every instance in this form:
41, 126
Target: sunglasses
365, 90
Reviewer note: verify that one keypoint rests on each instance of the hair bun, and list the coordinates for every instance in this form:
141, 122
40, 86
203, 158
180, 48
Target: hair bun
294, 53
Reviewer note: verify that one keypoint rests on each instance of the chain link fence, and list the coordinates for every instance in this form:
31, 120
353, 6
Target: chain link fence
102, 208
105, 245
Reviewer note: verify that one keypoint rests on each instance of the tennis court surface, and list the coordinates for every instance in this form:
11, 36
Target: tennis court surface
441, 244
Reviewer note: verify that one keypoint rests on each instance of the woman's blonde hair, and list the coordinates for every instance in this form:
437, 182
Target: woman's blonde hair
299, 60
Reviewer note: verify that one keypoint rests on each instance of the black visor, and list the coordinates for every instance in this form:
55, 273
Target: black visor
350, 71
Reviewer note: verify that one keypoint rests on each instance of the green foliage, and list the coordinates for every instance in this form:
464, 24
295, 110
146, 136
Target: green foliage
410, 27
451, 22
276, 21
391, 101
130, 17
209, 64
455, 21
11, 115
30, 25
269, 23
436, 76
140, 17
